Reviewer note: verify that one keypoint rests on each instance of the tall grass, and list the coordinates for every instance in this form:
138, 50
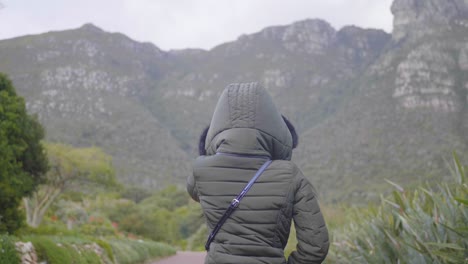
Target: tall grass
8, 254
426, 225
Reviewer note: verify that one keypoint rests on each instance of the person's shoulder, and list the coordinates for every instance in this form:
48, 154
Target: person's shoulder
284, 164
288, 164
289, 167
202, 161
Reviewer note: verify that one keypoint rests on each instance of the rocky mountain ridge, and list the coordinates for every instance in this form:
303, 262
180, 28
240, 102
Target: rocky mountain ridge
416, 18
368, 105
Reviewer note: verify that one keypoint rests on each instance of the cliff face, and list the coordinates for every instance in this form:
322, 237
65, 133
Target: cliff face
415, 18
430, 77
411, 108
368, 105
432, 72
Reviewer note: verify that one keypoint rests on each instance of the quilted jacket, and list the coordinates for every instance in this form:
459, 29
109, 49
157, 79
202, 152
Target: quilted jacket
246, 129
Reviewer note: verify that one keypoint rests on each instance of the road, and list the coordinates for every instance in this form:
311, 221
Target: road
184, 257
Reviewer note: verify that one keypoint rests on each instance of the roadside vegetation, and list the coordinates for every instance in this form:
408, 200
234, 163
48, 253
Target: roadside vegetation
426, 224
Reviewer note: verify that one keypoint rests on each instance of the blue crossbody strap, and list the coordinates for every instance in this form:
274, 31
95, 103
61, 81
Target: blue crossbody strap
234, 204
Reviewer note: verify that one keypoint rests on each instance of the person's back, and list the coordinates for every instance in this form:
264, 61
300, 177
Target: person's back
246, 130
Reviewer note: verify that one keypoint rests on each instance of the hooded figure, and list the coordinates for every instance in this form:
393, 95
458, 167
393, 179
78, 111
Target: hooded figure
245, 131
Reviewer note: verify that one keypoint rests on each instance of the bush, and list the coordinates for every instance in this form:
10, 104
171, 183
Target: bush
47, 228
81, 250
107, 248
8, 254
82, 256
48, 251
423, 226
197, 241
138, 251
98, 225
59, 250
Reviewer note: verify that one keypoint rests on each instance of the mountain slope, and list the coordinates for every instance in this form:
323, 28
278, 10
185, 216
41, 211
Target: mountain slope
408, 113
368, 105
86, 85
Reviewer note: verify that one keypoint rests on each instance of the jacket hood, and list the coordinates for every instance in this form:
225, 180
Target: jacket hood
246, 121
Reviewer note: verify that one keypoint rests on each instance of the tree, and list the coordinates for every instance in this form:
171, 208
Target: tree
78, 169
135, 193
22, 158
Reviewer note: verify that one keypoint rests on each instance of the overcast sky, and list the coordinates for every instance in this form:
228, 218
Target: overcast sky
178, 24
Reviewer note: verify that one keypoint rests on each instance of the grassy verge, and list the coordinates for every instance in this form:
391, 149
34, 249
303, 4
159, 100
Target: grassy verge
8, 254
138, 251
84, 250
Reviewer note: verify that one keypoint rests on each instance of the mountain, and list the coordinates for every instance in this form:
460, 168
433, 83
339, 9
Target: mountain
368, 105
86, 86
408, 111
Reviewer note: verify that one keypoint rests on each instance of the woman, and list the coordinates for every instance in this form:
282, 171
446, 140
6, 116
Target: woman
245, 132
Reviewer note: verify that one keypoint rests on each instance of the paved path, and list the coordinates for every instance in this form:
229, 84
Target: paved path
184, 257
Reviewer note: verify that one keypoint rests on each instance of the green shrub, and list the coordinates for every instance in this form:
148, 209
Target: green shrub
423, 226
138, 251
48, 229
90, 257
48, 251
8, 254
197, 241
98, 225
58, 250
107, 248
77, 250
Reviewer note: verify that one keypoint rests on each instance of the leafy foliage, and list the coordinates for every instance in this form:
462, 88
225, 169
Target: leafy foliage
137, 251
427, 225
98, 225
107, 248
82, 169
8, 254
135, 193
22, 158
70, 165
167, 215
48, 251
81, 249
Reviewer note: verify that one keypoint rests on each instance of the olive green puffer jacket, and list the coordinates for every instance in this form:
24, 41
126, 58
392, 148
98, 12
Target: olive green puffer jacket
246, 130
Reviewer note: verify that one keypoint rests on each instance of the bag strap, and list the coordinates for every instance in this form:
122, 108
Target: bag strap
234, 204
